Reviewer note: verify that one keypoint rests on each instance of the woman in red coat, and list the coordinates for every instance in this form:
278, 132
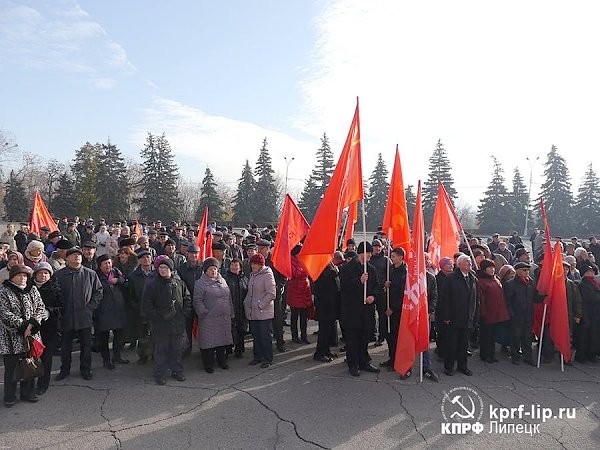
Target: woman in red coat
492, 309
299, 298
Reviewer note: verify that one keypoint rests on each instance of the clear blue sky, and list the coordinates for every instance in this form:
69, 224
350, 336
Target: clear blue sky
219, 76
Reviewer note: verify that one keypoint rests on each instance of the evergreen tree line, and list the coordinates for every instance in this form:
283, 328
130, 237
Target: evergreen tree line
100, 183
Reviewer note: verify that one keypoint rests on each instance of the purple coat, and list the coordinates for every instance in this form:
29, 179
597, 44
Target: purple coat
212, 303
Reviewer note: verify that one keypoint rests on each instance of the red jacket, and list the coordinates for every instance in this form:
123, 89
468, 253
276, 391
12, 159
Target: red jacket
492, 307
298, 290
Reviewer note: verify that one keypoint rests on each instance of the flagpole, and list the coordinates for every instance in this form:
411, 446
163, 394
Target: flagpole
387, 291
542, 336
421, 369
469, 247
562, 363
343, 232
364, 224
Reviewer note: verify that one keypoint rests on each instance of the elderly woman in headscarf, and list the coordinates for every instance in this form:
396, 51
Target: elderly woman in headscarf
13, 259
21, 311
213, 305
34, 254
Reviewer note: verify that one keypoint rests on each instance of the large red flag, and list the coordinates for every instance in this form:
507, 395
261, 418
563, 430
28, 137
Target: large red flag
40, 216
292, 228
201, 238
350, 222
557, 306
345, 188
445, 228
208, 246
395, 219
544, 285
413, 334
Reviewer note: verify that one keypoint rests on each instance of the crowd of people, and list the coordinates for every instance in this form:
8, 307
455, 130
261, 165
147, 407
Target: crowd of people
148, 287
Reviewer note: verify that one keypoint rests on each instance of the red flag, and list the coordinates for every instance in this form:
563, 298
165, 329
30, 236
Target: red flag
557, 306
544, 285
350, 222
395, 219
138, 229
445, 228
208, 247
40, 216
292, 228
413, 334
201, 238
345, 188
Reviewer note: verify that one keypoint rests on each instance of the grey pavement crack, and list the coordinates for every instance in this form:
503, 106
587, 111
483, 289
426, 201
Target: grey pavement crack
280, 418
403, 406
113, 433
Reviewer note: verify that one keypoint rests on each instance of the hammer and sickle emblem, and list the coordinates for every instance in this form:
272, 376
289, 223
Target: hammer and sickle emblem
469, 414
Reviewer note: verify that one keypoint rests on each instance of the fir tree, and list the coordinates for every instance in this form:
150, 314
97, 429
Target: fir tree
85, 173
519, 201
266, 192
160, 199
588, 203
16, 207
243, 207
111, 179
63, 204
209, 197
556, 192
492, 213
411, 201
378, 192
439, 170
318, 181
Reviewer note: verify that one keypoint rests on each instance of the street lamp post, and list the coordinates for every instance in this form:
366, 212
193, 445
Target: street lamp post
287, 166
531, 166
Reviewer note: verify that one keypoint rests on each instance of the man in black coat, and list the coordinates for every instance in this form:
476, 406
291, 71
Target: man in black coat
395, 287
189, 272
520, 294
238, 287
166, 303
327, 306
459, 298
357, 315
380, 262
82, 293
137, 281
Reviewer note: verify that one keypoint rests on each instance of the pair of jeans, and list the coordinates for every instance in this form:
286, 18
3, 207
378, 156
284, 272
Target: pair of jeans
167, 354
10, 386
262, 334
85, 347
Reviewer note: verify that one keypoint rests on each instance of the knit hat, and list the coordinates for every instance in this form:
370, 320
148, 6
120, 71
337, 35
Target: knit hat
210, 262
35, 245
504, 270
445, 261
167, 262
258, 259
364, 246
17, 269
43, 266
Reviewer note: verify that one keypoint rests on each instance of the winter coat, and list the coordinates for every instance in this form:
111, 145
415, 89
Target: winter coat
166, 303
18, 308
73, 237
573, 303
327, 294
213, 305
397, 285
112, 246
178, 260
258, 303
298, 292
492, 305
52, 297
82, 292
432, 292
458, 300
590, 296
56, 263
380, 263
128, 267
111, 313
238, 287
102, 241
520, 296
31, 263
136, 282
354, 313
189, 274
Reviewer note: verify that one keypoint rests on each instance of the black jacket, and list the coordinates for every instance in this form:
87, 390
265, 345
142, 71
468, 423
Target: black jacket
397, 285
82, 292
136, 283
432, 292
327, 295
52, 298
111, 312
166, 303
459, 300
354, 313
238, 287
189, 274
520, 297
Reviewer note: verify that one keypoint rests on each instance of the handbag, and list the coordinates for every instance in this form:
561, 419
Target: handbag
30, 367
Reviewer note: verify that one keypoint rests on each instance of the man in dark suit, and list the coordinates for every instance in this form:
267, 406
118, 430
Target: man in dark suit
459, 298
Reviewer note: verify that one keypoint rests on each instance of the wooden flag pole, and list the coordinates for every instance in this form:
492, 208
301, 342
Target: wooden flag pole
387, 291
364, 224
542, 336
